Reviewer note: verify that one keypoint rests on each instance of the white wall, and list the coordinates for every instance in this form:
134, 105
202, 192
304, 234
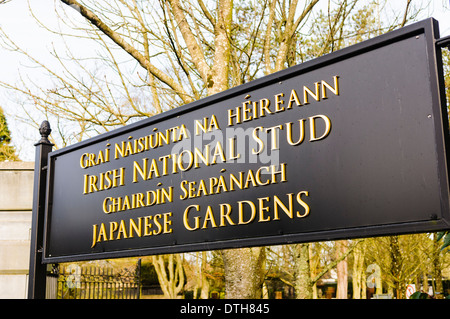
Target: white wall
16, 200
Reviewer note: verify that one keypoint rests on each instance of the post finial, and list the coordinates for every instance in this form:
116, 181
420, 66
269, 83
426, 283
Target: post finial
45, 131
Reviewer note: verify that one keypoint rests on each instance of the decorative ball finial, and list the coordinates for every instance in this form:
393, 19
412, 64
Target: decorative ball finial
45, 131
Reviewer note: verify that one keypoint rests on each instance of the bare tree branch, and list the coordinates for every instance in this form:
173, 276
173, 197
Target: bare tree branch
96, 21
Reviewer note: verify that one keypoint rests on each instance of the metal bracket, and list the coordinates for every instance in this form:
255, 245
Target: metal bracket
443, 42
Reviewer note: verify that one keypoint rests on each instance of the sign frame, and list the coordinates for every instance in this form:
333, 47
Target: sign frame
427, 28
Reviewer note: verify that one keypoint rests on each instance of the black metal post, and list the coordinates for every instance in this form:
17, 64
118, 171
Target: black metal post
38, 270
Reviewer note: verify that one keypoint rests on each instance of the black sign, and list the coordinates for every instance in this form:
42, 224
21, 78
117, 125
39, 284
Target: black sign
348, 145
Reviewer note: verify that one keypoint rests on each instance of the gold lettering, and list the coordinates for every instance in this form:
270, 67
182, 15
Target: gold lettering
163, 138
183, 188
118, 177
213, 124
289, 133
209, 216
90, 159
274, 135
108, 180
281, 172
250, 179
258, 140
142, 171
258, 176
213, 183
232, 149
104, 181
225, 210
241, 212
158, 224
86, 184
100, 158
264, 107
247, 212
119, 230
255, 110
199, 155
189, 163
167, 223
202, 189
153, 170
102, 234
116, 204
119, 150
138, 200
263, 209
113, 226
126, 203
94, 235
238, 181
144, 143
183, 133
279, 203
218, 152
278, 102
166, 195
92, 184
206, 126
154, 140
199, 126
137, 228
293, 98
186, 218
84, 161
303, 204
152, 198
165, 159
312, 127
334, 90
234, 115
122, 230
307, 92
148, 226
221, 185
192, 189
108, 151
246, 111
106, 207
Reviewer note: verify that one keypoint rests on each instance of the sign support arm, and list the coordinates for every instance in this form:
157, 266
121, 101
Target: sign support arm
443, 42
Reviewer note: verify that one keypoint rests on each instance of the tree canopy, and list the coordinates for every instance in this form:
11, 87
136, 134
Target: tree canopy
7, 151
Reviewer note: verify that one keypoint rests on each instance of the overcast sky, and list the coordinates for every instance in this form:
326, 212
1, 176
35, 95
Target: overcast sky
16, 20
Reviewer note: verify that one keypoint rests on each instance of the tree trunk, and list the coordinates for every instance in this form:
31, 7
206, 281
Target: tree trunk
363, 287
204, 294
396, 265
425, 286
437, 271
342, 270
302, 278
358, 271
202, 281
244, 273
169, 269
